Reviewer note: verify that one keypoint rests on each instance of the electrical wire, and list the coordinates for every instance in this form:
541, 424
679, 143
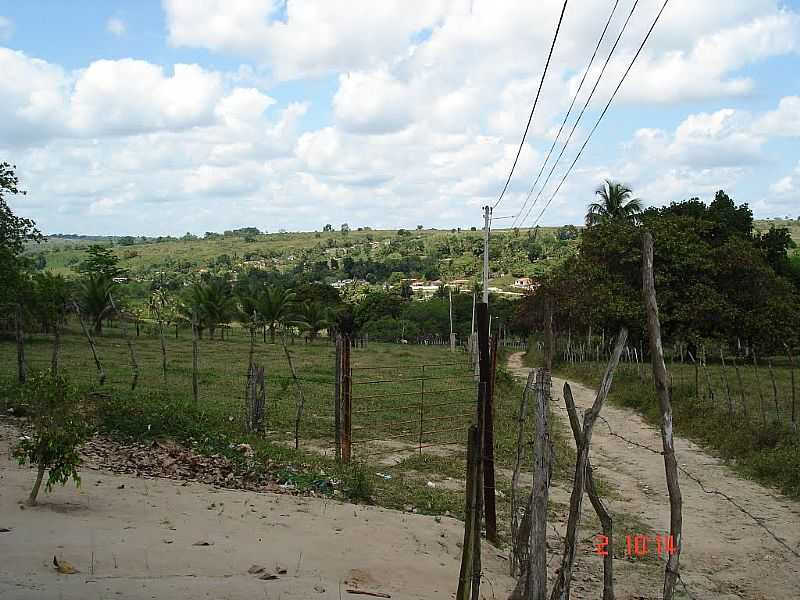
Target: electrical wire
535, 102
569, 111
583, 110
608, 104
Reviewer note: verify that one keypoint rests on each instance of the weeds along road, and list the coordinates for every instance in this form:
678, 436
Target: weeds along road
726, 554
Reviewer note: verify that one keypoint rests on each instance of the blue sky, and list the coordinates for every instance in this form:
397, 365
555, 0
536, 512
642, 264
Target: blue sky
192, 115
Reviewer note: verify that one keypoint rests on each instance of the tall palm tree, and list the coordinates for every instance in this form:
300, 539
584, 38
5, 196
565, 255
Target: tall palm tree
313, 318
275, 306
616, 204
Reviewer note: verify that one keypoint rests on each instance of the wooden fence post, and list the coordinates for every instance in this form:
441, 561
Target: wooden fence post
792, 367
195, 385
21, 372
347, 392
337, 399
760, 391
472, 522
660, 380
488, 449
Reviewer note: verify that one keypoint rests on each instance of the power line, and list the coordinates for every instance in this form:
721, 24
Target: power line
535, 102
583, 110
600, 118
569, 110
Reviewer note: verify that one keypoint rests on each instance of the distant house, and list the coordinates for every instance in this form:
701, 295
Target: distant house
120, 280
525, 283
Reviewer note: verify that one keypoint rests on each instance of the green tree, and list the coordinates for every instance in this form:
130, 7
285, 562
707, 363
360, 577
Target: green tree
616, 203
275, 308
61, 422
102, 261
313, 318
15, 232
94, 298
211, 303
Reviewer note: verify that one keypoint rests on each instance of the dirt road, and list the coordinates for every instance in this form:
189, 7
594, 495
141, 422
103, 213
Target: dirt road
137, 538
725, 554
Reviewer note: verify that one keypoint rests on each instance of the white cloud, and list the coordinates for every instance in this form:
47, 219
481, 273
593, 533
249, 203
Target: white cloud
788, 185
372, 102
6, 29
705, 140
784, 121
116, 26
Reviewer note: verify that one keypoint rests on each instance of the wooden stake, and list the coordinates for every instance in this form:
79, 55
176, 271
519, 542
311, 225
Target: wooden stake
760, 391
774, 391
660, 380
792, 367
727, 386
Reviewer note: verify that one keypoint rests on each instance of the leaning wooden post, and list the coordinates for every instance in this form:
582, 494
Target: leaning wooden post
55, 359
21, 374
101, 372
600, 509
195, 386
561, 588
301, 398
660, 379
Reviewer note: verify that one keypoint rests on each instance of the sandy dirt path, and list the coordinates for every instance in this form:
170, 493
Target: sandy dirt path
725, 554
138, 541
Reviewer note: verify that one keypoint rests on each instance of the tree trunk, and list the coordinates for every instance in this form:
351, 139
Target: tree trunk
660, 379
35, 491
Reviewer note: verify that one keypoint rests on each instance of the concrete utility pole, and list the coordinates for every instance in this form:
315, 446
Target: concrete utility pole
487, 214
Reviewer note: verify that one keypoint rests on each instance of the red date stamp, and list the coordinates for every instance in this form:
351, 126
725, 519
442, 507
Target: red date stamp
639, 545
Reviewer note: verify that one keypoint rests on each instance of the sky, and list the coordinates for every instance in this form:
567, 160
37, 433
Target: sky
155, 118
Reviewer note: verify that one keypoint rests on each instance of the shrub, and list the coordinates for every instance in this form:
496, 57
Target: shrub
61, 422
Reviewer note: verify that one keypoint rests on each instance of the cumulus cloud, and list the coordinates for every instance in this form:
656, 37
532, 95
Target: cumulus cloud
783, 121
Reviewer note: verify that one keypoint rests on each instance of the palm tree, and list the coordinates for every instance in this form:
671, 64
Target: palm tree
95, 298
313, 318
616, 204
211, 303
275, 306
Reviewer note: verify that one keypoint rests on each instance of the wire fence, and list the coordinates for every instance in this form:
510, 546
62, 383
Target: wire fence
401, 409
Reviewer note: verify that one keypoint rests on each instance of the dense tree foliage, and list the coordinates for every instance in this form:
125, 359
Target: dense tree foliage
716, 278
15, 232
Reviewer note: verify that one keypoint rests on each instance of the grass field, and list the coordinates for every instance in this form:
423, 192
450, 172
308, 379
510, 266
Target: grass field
753, 429
158, 409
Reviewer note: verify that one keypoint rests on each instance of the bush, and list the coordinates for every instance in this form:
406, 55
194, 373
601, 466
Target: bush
61, 422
